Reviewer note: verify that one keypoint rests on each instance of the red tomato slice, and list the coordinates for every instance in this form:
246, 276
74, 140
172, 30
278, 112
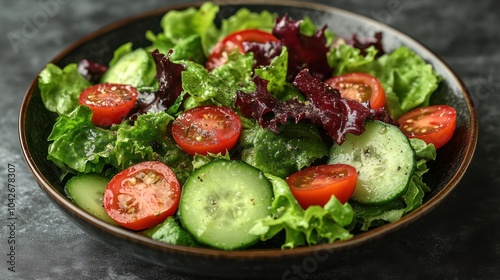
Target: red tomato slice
206, 129
109, 102
233, 41
142, 195
434, 124
315, 185
360, 87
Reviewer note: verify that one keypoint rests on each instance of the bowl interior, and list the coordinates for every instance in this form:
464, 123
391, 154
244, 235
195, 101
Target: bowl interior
35, 124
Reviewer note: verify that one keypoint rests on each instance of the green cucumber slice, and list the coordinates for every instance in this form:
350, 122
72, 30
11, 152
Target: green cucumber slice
87, 191
384, 159
222, 200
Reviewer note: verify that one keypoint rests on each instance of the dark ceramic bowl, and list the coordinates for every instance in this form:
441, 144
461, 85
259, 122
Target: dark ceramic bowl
35, 124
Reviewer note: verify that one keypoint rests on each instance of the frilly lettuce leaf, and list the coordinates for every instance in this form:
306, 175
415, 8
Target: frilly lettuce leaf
220, 85
280, 154
79, 146
170, 231
276, 74
60, 88
312, 226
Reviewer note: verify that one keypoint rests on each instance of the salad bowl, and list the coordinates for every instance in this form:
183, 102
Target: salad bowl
35, 124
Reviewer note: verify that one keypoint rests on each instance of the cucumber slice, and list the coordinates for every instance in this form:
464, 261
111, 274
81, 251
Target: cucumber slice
134, 68
222, 200
384, 159
87, 191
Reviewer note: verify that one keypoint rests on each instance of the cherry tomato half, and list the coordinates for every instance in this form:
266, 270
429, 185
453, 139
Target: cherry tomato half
234, 41
360, 87
434, 124
109, 102
315, 185
206, 129
142, 195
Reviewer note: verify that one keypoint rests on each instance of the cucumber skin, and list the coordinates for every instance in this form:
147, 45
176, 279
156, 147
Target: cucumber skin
87, 199
191, 189
395, 137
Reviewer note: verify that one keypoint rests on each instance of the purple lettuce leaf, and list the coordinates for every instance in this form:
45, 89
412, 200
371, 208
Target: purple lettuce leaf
324, 107
304, 51
168, 75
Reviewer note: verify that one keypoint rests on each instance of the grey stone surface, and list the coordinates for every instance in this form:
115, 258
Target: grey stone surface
459, 240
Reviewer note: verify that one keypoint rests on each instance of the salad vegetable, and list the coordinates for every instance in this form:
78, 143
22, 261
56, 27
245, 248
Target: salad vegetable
260, 129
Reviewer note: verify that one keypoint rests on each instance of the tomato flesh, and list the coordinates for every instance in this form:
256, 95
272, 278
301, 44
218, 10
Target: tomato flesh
109, 103
359, 87
233, 42
434, 124
143, 195
206, 129
315, 185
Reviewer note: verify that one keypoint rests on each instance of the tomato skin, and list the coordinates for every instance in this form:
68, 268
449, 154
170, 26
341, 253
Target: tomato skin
142, 195
360, 87
316, 184
109, 102
206, 129
234, 41
434, 124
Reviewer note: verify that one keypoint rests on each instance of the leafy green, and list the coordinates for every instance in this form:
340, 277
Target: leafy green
368, 216
132, 67
120, 52
280, 154
79, 146
408, 80
276, 74
312, 226
220, 85
200, 160
60, 88
169, 231
185, 31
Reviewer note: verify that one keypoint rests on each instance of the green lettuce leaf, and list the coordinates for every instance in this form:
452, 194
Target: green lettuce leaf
132, 67
220, 85
120, 52
200, 160
407, 79
170, 231
276, 74
185, 31
312, 226
77, 145
368, 216
281, 154
60, 88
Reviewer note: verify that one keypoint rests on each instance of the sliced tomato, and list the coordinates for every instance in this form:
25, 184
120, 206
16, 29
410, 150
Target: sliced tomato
315, 185
206, 129
109, 103
360, 87
142, 195
434, 124
233, 41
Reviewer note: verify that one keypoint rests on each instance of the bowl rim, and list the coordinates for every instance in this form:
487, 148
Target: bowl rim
357, 240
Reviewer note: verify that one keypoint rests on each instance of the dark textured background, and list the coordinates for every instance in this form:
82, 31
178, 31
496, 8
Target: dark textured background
458, 240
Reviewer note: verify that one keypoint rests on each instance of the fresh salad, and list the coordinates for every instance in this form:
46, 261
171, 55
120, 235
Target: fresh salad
261, 130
